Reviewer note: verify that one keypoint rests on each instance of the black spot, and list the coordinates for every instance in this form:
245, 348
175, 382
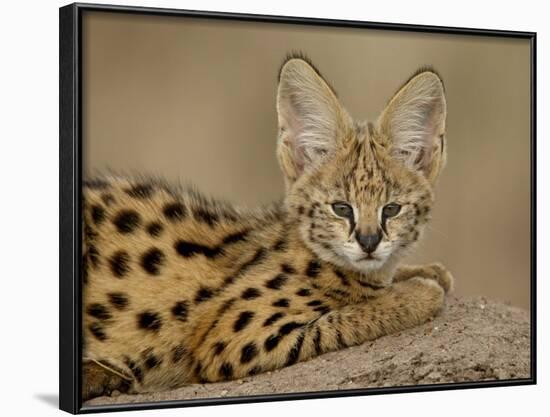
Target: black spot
96, 184
271, 342
107, 199
99, 311
149, 320
315, 303
89, 233
152, 260
254, 371
282, 302
280, 245
371, 286
140, 191
119, 263
248, 352
203, 294
235, 237
294, 353
154, 229
138, 373
289, 327
244, 319
313, 268
174, 211
340, 340
93, 255
301, 210
226, 370
273, 318
251, 293
219, 347
206, 216
127, 221
189, 249
322, 309
180, 310
98, 214
317, 341
287, 269
304, 292
97, 330
124, 386
178, 352
258, 257
136, 370
152, 361
198, 369
277, 282
343, 279
226, 306
118, 300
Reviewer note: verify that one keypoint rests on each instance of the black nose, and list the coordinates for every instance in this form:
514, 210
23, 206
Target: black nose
369, 243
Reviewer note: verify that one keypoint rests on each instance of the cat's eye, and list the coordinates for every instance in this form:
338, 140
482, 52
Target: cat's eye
342, 210
391, 210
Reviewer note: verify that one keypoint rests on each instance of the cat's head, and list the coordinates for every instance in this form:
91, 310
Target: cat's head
361, 192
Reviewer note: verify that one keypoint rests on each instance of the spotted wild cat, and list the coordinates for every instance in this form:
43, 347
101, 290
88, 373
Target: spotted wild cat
179, 288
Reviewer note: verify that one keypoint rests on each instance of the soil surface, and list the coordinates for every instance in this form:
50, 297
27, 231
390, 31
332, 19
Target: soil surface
473, 339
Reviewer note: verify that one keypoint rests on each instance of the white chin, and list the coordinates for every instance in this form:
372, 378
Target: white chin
367, 265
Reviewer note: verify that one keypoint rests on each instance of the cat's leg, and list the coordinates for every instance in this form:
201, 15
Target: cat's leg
434, 271
98, 379
298, 337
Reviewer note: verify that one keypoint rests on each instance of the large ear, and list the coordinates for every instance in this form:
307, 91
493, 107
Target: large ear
414, 122
310, 118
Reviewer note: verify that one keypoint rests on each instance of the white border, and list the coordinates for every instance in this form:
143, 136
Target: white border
28, 218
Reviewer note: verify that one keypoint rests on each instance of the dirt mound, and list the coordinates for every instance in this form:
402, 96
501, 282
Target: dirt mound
471, 340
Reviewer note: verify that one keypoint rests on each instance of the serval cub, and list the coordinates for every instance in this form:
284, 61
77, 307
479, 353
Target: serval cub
179, 288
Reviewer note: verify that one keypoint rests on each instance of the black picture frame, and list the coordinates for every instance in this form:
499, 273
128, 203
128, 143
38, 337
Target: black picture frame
70, 183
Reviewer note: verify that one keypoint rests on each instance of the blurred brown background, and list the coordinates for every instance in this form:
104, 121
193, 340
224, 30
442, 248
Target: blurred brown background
194, 100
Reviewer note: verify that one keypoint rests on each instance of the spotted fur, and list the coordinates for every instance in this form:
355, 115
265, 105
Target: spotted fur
179, 288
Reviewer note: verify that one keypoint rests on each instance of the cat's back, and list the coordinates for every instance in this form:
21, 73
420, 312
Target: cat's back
136, 230
143, 227
128, 211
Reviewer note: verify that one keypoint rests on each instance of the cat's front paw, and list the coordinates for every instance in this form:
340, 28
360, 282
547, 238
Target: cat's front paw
434, 271
420, 298
440, 274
